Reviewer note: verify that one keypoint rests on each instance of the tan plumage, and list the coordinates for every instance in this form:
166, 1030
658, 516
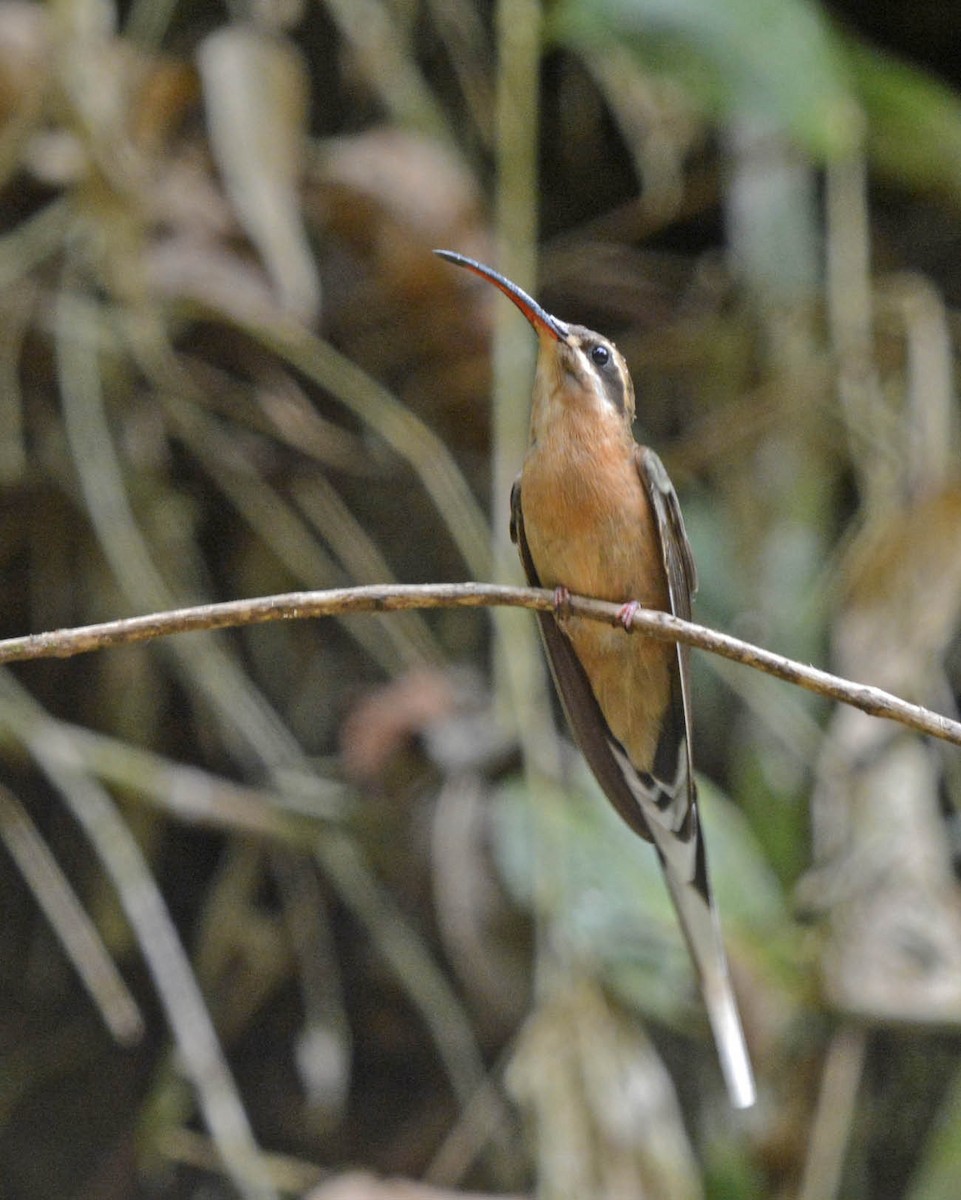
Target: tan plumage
590, 529
595, 514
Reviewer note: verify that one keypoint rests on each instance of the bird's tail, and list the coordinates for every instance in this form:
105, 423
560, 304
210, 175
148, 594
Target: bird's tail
702, 932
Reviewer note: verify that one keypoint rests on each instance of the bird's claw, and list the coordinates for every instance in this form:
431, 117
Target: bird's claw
626, 614
562, 603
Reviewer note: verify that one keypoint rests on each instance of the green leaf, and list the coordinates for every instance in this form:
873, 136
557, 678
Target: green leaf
913, 121
776, 59
607, 895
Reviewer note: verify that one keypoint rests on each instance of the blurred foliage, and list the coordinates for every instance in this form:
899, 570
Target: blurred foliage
284, 902
778, 60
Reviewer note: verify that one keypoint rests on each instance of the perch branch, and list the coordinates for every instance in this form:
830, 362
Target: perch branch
63, 643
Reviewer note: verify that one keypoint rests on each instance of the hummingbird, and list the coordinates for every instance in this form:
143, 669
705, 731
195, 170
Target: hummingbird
594, 513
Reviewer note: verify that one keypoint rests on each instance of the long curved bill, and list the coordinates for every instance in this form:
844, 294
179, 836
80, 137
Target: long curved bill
538, 317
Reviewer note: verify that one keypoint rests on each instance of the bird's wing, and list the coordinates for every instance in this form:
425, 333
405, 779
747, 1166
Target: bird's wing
659, 805
681, 848
662, 797
673, 791
583, 713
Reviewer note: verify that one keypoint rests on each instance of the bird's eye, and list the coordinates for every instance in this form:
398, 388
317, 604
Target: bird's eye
601, 356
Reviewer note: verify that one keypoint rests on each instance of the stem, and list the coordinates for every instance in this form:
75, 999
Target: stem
64, 643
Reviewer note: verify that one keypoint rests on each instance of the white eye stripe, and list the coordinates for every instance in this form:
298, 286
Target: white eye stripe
611, 380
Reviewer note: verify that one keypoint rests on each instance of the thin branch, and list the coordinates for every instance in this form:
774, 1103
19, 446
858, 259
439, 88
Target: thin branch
64, 643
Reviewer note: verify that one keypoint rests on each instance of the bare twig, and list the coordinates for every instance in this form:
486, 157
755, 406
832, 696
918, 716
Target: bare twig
64, 643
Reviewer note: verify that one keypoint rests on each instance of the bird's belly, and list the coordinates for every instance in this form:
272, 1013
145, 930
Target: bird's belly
630, 676
599, 540
593, 531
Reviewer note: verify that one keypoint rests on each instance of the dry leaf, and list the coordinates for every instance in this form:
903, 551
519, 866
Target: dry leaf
256, 93
387, 719
608, 1121
885, 875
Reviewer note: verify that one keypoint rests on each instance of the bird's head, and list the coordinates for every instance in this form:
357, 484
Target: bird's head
574, 364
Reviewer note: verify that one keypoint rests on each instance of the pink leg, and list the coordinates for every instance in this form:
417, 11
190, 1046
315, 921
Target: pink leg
562, 603
625, 614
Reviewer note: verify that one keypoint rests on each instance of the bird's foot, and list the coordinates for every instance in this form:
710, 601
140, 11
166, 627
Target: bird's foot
626, 614
562, 604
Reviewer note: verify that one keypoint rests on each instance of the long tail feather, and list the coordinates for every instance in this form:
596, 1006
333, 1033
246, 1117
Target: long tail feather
702, 932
